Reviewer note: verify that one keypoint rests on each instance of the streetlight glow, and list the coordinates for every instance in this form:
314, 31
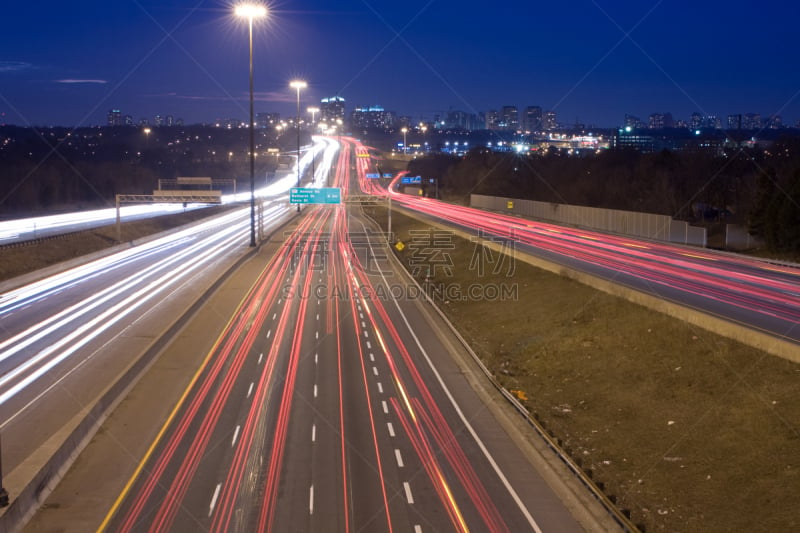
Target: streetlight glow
250, 11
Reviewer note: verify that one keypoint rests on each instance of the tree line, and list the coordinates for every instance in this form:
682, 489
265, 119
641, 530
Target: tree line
759, 187
58, 169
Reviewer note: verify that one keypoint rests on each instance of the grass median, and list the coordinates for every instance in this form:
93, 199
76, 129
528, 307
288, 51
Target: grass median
688, 430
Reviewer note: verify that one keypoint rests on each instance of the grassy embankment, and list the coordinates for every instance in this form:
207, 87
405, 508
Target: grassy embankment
15, 261
688, 430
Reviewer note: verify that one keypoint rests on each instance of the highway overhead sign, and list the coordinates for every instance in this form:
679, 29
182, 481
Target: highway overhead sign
308, 195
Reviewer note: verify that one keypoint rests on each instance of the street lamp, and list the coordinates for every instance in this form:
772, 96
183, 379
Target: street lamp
298, 84
405, 149
251, 12
313, 111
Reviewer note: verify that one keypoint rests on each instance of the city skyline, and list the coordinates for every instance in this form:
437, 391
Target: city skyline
67, 65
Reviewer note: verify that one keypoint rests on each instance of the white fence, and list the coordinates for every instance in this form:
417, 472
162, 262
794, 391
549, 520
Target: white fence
645, 225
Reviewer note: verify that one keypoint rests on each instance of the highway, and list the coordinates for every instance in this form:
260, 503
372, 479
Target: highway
756, 294
326, 407
65, 338
24, 229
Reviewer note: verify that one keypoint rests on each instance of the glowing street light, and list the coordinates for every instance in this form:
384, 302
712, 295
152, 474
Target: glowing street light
252, 12
298, 84
313, 111
405, 148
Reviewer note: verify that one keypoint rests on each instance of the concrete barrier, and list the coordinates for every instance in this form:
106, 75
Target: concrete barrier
631, 223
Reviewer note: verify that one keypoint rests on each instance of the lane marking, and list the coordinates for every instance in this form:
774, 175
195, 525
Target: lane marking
385, 407
366, 333
317, 316
391, 429
260, 357
269, 334
317, 334
274, 315
361, 315
380, 387
311, 500
316, 358
417, 529
235, 436
250, 390
399, 458
372, 357
313, 432
363, 324
315, 391
407, 488
214, 499
369, 346
375, 370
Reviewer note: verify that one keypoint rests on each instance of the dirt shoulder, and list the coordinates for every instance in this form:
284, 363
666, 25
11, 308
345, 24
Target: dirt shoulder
689, 430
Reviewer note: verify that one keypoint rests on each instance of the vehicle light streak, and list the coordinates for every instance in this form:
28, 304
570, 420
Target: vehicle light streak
248, 318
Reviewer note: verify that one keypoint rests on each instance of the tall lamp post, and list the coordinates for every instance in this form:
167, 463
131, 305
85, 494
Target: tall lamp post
298, 84
313, 111
405, 148
251, 12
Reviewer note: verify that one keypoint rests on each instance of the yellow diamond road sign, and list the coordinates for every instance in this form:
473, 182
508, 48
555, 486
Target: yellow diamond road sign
400, 246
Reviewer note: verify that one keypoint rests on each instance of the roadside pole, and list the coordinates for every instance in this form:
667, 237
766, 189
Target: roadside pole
3, 491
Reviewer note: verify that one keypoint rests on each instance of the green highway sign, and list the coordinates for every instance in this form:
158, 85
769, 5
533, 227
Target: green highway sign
307, 195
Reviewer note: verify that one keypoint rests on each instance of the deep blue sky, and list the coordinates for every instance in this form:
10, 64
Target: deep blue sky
68, 63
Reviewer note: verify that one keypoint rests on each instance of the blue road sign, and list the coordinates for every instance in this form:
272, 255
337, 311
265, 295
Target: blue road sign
373, 176
306, 195
411, 180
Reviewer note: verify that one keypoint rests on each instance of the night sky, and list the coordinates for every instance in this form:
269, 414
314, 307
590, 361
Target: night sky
67, 63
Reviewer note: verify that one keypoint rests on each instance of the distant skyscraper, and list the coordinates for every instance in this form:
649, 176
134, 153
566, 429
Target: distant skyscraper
509, 119
331, 109
170, 121
461, 120
114, 117
158, 120
633, 122
127, 120
549, 121
774, 122
713, 122
696, 121
492, 120
372, 117
660, 121
735, 122
751, 121
532, 120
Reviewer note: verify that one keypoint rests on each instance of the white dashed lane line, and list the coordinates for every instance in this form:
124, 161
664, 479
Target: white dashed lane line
390, 427
407, 488
235, 436
399, 458
214, 499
